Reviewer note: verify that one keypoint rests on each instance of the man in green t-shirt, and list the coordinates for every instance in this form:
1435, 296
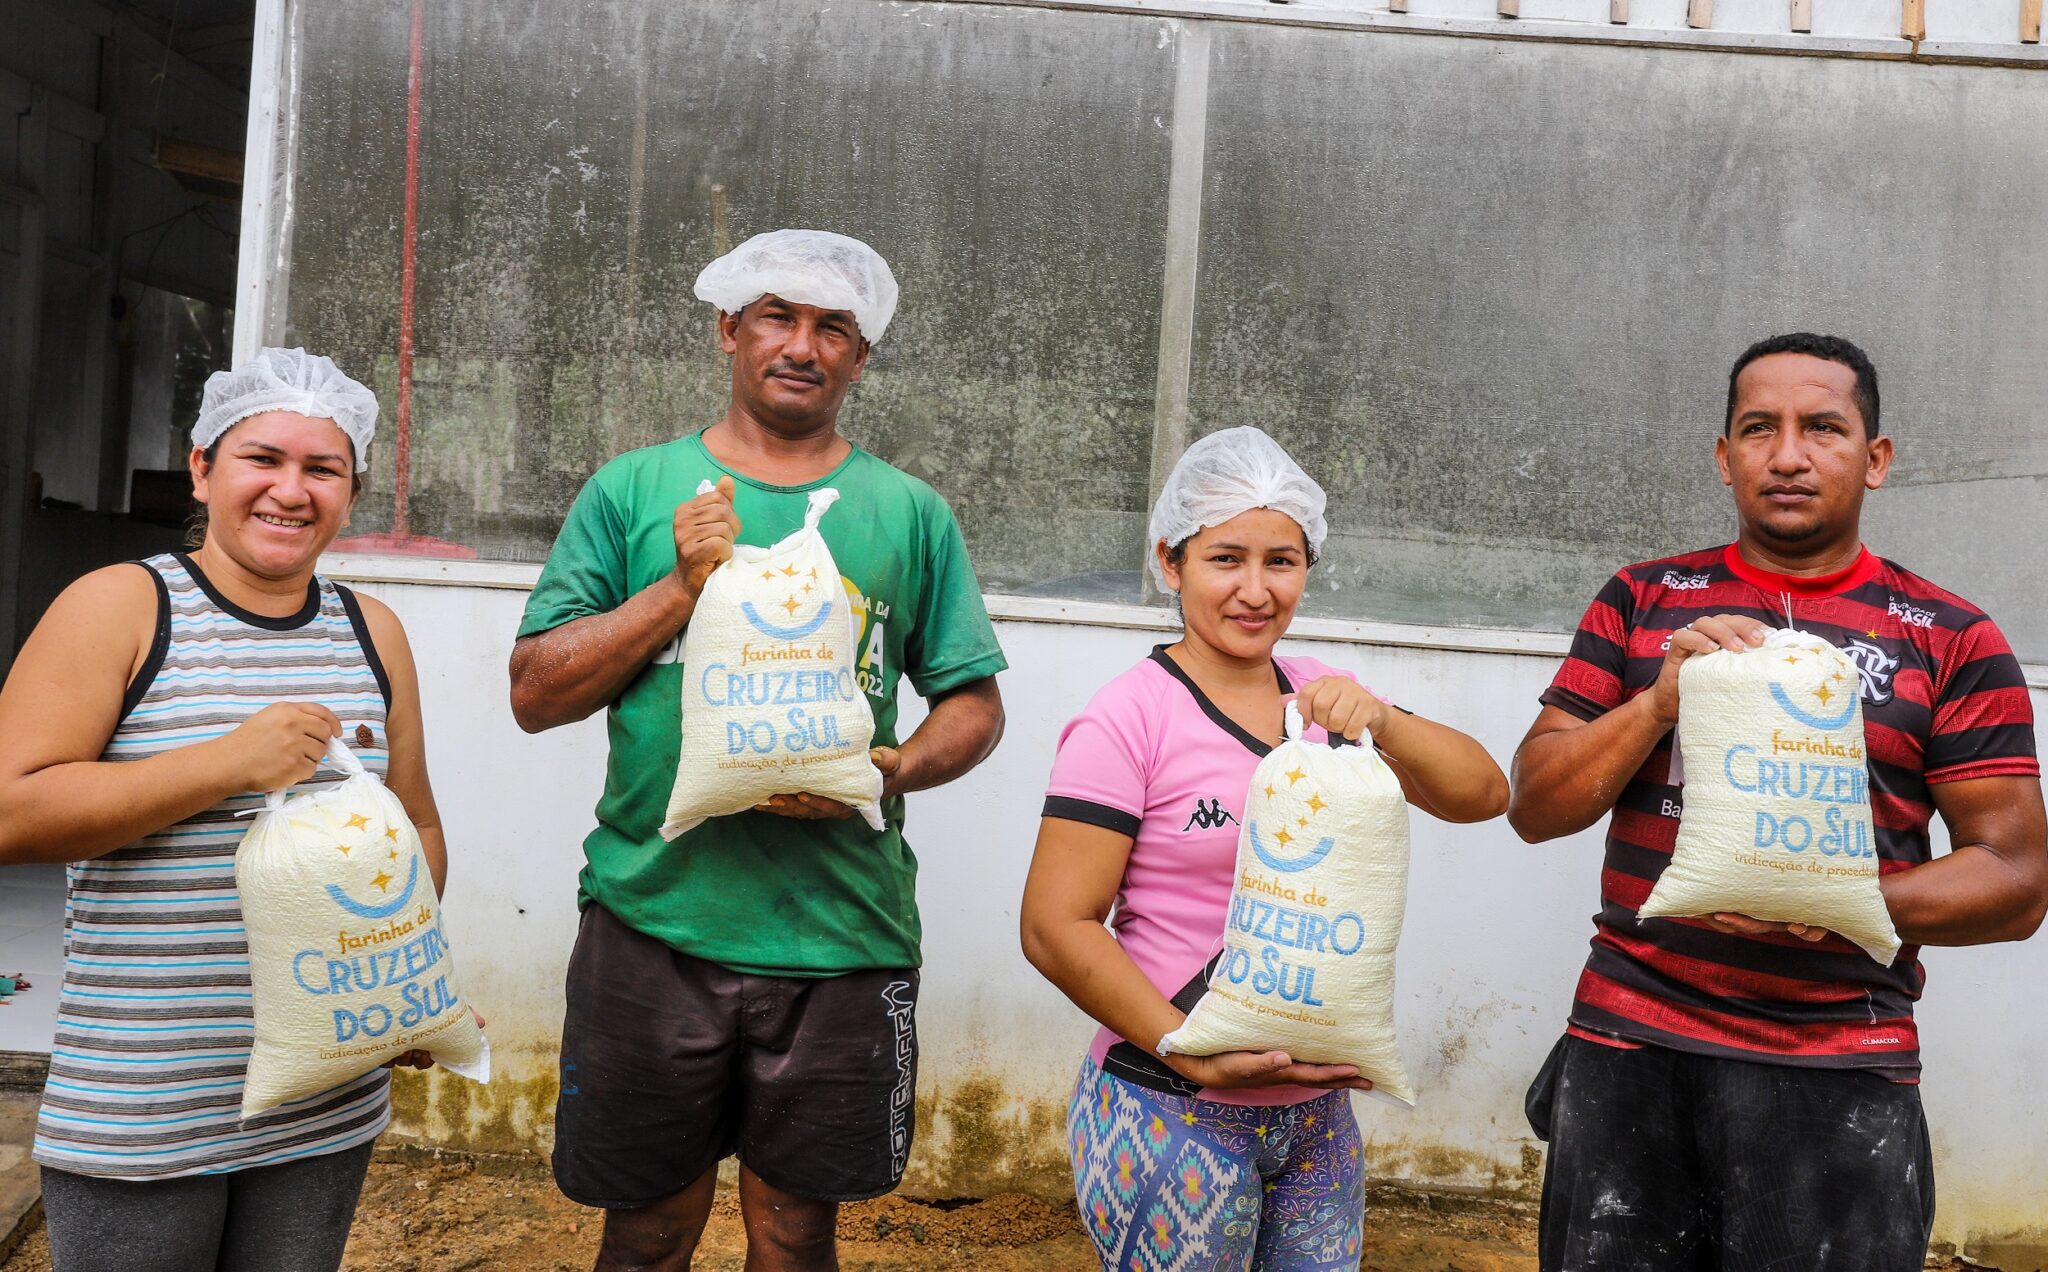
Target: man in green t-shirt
749, 988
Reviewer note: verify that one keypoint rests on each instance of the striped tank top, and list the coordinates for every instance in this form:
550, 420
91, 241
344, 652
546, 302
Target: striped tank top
154, 1022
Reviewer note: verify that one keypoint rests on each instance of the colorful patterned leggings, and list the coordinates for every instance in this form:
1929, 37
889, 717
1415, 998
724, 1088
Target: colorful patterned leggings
1173, 1184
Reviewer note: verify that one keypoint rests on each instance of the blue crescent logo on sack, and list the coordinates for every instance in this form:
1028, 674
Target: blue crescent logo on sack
1287, 865
1825, 724
798, 632
384, 911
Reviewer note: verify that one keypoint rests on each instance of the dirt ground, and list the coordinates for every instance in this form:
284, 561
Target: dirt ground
451, 1216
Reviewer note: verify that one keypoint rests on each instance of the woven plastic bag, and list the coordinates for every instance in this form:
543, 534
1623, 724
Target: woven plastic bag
347, 958
1776, 823
1308, 953
772, 704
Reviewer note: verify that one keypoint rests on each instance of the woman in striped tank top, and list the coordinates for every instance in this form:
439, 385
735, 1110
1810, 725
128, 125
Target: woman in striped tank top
155, 703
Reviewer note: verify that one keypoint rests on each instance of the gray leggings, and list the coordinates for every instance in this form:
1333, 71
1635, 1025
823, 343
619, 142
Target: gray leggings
292, 1217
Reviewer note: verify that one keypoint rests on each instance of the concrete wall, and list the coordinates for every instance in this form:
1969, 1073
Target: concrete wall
1487, 290
1494, 938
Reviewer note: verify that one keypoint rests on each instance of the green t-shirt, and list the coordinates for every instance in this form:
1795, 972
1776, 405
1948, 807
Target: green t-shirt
755, 892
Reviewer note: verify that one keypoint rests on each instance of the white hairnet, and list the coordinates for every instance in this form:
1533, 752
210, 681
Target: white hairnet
288, 380
808, 267
1225, 474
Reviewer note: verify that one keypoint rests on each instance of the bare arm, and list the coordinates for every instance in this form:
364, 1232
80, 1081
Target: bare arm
58, 800
1075, 873
1568, 772
1994, 885
1443, 772
962, 729
404, 730
407, 773
567, 673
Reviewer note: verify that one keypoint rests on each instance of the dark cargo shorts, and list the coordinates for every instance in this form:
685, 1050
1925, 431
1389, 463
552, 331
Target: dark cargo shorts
670, 1064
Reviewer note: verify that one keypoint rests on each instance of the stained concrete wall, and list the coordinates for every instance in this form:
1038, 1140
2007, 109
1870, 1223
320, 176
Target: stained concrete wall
1495, 934
1487, 290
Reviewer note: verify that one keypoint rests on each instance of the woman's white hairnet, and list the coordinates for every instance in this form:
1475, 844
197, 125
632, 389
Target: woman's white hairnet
809, 267
1225, 474
287, 380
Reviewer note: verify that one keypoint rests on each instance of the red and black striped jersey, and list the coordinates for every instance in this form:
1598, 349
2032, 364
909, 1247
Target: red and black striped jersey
1944, 700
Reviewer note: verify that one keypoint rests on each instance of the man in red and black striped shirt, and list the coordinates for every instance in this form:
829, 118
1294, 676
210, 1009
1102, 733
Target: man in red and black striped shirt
1733, 1094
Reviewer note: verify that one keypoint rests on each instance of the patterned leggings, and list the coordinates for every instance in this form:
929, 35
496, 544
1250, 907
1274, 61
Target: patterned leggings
1170, 1183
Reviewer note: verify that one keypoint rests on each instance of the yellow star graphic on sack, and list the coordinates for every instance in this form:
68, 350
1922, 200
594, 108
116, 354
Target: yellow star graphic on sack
790, 605
1315, 803
789, 571
1295, 775
1823, 694
356, 821
382, 882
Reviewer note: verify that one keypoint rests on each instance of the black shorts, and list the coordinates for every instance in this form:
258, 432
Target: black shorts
1662, 1161
670, 1064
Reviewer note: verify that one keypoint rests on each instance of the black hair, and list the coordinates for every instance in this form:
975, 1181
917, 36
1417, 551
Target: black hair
1827, 348
195, 520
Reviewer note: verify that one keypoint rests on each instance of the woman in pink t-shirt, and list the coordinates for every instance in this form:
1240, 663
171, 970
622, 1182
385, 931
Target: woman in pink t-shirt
1245, 1159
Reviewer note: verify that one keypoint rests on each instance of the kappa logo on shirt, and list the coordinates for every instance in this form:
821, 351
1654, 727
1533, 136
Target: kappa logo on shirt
1209, 816
1875, 667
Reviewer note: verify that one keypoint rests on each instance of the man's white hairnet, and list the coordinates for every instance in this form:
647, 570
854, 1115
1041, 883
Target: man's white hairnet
1225, 474
808, 267
287, 380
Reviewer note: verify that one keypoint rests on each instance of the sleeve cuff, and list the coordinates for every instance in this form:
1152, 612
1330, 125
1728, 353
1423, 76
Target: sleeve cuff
930, 683
1572, 704
1092, 814
2003, 766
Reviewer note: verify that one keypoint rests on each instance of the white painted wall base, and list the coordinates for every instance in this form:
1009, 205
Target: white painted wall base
1495, 935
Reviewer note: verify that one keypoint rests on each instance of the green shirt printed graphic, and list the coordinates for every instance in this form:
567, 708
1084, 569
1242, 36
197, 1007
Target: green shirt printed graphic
755, 892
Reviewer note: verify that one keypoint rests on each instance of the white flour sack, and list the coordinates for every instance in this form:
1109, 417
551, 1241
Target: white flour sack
346, 954
1776, 822
1308, 954
771, 705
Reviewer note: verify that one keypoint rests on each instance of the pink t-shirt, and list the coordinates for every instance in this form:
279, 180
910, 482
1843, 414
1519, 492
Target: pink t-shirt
1151, 757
